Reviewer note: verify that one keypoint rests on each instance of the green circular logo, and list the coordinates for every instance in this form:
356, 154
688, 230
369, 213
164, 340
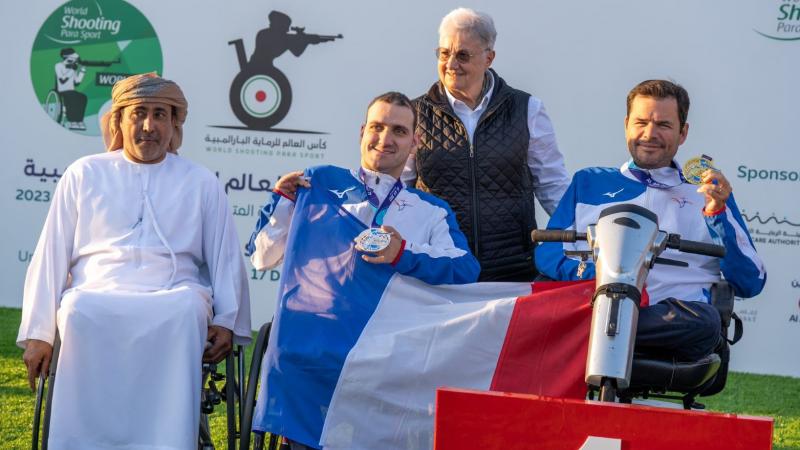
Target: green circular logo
82, 49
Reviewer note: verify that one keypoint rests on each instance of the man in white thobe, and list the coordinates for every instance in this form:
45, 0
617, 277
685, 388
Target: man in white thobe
138, 268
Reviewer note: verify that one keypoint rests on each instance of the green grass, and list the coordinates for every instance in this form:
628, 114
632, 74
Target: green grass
764, 395
760, 395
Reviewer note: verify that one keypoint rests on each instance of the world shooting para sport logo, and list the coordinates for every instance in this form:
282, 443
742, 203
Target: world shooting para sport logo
260, 94
781, 21
80, 51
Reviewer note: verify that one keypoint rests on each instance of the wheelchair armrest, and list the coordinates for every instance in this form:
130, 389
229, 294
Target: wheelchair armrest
722, 296
722, 299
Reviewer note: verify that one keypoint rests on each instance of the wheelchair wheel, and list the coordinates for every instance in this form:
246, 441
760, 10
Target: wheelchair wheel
41, 392
231, 396
53, 106
252, 390
260, 100
212, 396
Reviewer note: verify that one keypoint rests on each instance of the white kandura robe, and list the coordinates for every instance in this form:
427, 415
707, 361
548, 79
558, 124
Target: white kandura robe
134, 262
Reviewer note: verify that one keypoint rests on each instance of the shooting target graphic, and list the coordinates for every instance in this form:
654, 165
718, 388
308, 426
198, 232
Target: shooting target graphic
260, 100
261, 96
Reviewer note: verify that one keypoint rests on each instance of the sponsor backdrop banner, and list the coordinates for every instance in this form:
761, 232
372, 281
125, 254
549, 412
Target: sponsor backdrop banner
279, 86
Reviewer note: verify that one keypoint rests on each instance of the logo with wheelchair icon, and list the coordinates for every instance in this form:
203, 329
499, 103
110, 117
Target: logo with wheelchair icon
64, 103
80, 51
260, 94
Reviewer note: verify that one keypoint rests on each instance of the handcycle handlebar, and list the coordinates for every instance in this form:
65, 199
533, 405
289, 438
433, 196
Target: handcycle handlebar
557, 236
699, 248
673, 241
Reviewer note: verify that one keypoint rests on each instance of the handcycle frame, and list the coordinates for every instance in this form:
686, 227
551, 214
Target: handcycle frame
624, 244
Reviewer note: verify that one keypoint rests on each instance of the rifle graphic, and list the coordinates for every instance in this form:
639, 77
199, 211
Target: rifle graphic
315, 38
97, 63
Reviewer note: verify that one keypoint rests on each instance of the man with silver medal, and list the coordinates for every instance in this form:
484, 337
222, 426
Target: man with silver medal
375, 194
336, 230
696, 202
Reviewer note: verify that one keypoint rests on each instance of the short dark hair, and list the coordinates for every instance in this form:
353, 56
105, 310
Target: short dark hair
67, 51
662, 89
396, 98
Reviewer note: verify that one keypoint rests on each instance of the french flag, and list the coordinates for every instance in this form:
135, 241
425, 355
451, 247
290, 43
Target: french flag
357, 351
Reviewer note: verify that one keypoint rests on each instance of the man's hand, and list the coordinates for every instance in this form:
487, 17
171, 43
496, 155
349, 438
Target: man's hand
37, 358
387, 255
716, 189
287, 184
221, 342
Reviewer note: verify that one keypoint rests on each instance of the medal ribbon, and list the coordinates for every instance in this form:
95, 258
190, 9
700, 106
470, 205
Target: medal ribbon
380, 208
645, 177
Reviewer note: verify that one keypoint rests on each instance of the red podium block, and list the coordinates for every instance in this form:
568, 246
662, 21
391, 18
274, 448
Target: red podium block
495, 420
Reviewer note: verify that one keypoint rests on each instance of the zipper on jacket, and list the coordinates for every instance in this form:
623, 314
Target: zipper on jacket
461, 129
474, 185
473, 176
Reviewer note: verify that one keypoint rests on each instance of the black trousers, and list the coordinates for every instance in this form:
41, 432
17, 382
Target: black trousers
75, 105
684, 329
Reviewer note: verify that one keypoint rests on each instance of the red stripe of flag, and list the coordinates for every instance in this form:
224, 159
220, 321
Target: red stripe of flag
544, 352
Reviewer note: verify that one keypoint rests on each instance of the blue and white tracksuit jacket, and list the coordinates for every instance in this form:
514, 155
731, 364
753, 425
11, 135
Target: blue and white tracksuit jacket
679, 209
435, 251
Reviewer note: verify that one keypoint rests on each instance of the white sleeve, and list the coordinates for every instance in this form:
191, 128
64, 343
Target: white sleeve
550, 178
48, 271
221, 248
270, 242
445, 258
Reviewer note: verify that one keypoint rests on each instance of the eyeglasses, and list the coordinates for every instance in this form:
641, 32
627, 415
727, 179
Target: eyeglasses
462, 56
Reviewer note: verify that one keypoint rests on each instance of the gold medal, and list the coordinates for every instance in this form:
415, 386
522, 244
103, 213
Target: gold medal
693, 168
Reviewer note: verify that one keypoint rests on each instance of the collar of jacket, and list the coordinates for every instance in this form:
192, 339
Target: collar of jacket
500, 91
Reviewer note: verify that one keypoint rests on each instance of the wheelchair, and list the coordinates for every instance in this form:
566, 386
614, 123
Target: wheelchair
259, 113
231, 392
54, 107
272, 442
664, 377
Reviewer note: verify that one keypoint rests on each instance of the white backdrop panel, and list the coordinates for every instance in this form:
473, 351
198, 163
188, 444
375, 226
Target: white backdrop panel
580, 57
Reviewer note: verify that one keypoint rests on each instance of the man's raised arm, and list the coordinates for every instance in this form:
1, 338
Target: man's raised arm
268, 242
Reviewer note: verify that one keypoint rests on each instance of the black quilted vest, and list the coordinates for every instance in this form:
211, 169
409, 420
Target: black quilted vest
488, 184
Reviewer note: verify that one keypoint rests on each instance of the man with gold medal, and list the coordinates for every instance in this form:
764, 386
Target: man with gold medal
696, 202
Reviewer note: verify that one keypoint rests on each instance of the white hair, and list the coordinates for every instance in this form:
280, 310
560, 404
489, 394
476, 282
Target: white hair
479, 24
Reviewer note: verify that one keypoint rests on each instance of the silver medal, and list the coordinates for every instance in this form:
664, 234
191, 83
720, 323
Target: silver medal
372, 240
